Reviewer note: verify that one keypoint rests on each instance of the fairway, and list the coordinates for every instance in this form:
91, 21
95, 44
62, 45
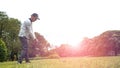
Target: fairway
77, 62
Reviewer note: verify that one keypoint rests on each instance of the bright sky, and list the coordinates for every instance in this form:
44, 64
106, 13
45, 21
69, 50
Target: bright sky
67, 21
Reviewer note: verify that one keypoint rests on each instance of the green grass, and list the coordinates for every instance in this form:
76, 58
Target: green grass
78, 62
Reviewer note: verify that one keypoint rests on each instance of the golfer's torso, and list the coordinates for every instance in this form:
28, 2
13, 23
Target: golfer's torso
26, 28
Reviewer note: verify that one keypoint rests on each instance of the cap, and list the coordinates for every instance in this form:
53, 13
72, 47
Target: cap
35, 15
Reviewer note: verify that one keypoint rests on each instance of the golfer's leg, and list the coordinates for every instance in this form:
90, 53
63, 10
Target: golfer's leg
22, 55
26, 51
27, 56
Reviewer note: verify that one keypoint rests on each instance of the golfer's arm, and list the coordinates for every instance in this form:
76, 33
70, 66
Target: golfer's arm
30, 31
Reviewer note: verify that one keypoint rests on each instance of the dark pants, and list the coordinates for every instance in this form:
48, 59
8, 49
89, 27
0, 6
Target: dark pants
24, 51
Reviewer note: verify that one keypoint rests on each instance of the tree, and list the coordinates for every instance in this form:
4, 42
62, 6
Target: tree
42, 46
12, 31
9, 28
107, 43
3, 51
3, 22
112, 41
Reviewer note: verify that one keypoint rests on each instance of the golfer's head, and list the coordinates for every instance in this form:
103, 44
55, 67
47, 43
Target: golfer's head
34, 17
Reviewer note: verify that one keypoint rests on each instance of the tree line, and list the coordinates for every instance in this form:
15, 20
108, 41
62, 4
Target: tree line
106, 44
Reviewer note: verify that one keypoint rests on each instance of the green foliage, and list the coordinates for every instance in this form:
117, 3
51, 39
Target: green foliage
3, 22
3, 51
9, 29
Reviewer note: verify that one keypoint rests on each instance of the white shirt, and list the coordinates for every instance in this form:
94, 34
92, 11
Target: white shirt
26, 30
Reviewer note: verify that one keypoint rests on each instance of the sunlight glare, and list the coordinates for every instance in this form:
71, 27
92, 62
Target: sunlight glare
67, 21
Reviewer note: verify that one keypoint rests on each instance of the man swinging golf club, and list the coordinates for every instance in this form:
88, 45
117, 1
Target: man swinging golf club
25, 34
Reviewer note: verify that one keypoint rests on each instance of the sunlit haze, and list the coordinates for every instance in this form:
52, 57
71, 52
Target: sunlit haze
67, 21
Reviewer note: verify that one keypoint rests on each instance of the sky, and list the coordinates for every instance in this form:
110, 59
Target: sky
67, 21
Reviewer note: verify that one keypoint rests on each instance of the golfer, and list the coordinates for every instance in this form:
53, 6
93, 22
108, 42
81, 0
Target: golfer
25, 34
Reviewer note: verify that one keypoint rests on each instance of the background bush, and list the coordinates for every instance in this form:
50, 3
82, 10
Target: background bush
3, 51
